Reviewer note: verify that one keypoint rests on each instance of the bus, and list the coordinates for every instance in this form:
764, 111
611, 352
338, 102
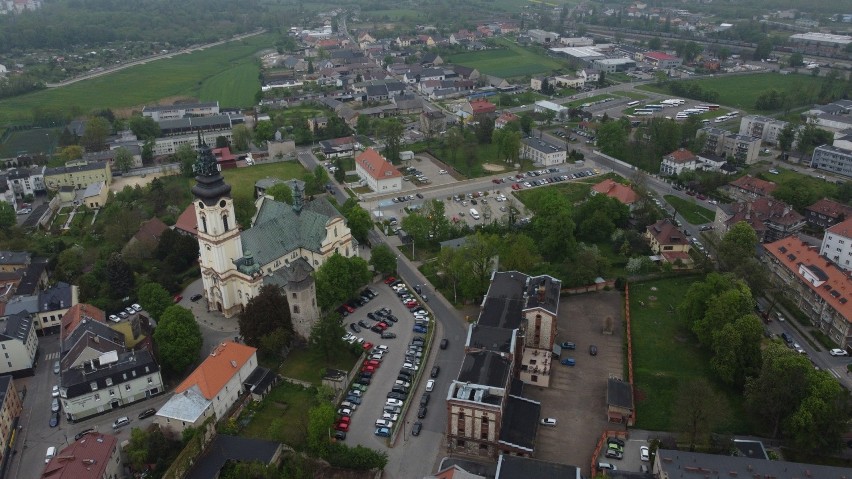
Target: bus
643, 112
709, 107
654, 107
633, 103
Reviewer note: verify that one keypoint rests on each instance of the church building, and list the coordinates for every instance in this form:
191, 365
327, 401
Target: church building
283, 246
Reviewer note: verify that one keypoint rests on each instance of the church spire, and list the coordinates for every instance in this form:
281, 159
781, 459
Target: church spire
209, 184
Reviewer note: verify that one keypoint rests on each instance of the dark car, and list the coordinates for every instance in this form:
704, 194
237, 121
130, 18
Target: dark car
364, 381
366, 374
388, 335
593, 350
444, 343
195, 297
83, 433
396, 395
421, 412
372, 316
363, 324
424, 400
54, 419
147, 413
391, 318
340, 435
415, 431
343, 311
435, 371
354, 327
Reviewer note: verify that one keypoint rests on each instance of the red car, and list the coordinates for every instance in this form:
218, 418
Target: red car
701, 197
516, 186
368, 369
373, 363
345, 419
178, 298
342, 426
381, 326
389, 280
367, 346
349, 308
412, 305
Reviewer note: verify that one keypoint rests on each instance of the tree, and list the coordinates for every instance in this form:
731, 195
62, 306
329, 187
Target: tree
820, 421
71, 152
185, 156
526, 123
154, 299
392, 134
612, 139
178, 339
119, 276
655, 43
147, 151
339, 278
339, 172
736, 350
281, 192
786, 137
484, 129
796, 60
359, 222
737, 245
95, 134
327, 334
144, 127
221, 141
698, 410
241, 137
723, 309
264, 131
320, 421
7, 216
383, 259
517, 252
266, 314
123, 159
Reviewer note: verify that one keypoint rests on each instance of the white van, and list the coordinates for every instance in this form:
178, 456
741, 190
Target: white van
474, 214
51, 451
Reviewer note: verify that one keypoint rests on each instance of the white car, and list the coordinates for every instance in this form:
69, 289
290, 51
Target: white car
114, 318
384, 423
548, 421
430, 384
838, 352
393, 402
136, 307
344, 411
400, 382
381, 347
390, 416
410, 366
55, 392
644, 453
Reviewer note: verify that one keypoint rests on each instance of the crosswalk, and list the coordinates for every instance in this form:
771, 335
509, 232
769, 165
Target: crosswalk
51, 356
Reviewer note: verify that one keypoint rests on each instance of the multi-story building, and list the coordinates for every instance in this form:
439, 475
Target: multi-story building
669, 242
740, 148
818, 43
78, 174
747, 188
180, 110
47, 306
377, 172
661, 60
613, 65
819, 288
167, 145
771, 219
765, 128
27, 181
541, 152
826, 213
679, 161
433, 122
93, 456
10, 411
671, 464
832, 159
211, 390
837, 244
11, 261
19, 346
509, 346
542, 37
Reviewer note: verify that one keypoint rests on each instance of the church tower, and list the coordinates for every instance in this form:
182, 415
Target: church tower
218, 237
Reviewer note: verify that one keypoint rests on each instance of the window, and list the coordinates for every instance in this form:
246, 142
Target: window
127, 387
7, 355
295, 309
225, 221
97, 397
534, 378
150, 380
112, 392
294, 295
93, 385
109, 381
204, 223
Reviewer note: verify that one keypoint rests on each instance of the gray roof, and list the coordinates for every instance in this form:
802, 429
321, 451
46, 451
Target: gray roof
520, 423
56, 297
710, 465
131, 365
94, 189
61, 170
292, 276
279, 229
619, 394
542, 146
31, 276
485, 368
230, 448
18, 328
543, 292
197, 122
180, 106
19, 304
185, 406
491, 338
518, 467
14, 257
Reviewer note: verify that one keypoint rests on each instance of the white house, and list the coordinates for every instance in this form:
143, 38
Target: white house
678, 161
19, 345
837, 244
377, 172
541, 152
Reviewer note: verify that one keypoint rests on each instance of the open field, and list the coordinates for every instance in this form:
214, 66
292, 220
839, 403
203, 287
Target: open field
398, 14
511, 61
666, 354
692, 212
307, 365
38, 140
823, 189
182, 75
242, 180
234, 87
282, 415
741, 91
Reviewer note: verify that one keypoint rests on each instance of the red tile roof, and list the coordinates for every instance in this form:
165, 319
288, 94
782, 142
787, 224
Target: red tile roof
613, 189
659, 56
681, 155
506, 117
214, 372
76, 314
666, 233
764, 210
187, 221
844, 228
223, 154
88, 457
151, 230
376, 165
754, 185
480, 106
831, 283
831, 208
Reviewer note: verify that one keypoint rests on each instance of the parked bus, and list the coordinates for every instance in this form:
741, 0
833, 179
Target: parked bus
654, 107
643, 112
709, 107
633, 103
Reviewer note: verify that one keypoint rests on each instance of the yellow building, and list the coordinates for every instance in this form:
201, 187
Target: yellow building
78, 174
10, 410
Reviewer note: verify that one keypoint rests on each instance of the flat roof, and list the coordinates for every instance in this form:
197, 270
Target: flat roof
579, 52
700, 465
822, 38
485, 368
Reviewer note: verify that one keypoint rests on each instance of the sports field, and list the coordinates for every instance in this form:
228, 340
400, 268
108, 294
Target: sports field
39, 140
508, 62
226, 72
741, 91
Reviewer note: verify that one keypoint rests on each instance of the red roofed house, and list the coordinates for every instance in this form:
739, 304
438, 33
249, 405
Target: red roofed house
214, 386
819, 288
663, 61
614, 189
78, 313
837, 244
504, 119
826, 213
746, 188
146, 238
669, 242
93, 456
187, 223
482, 106
771, 219
225, 158
377, 172
679, 161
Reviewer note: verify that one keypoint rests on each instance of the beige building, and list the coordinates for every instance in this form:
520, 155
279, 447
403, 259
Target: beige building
19, 345
10, 411
95, 195
47, 306
377, 172
78, 174
668, 242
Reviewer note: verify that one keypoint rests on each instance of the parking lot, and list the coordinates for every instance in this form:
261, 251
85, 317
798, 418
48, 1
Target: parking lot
363, 422
577, 394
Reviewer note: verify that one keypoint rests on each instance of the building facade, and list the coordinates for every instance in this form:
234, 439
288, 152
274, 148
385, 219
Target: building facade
180, 110
832, 159
765, 128
541, 152
826, 213
377, 173
837, 244
93, 456
10, 410
78, 174
19, 346
679, 161
739, 148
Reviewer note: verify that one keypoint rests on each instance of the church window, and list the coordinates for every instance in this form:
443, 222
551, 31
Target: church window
222, 204
225, 221
200, 205
208, 248
204, 223
316, 262
294, 295
295, 309
239, 294
335, 231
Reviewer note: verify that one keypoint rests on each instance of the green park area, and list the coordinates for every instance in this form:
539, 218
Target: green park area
507, 62
666, 354
228, 73
37, 140
242, 180
281, 416
690, 210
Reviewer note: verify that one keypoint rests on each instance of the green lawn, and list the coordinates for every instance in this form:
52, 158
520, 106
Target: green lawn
666, 353
242, 180
632, 95
37, 140
308, 365
691, 211
510, 61
824, 188
287, 407
398, 14
470, 166
181, 76
741, 91
234, 87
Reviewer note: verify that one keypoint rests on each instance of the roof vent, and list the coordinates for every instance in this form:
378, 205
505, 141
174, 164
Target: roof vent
233, 363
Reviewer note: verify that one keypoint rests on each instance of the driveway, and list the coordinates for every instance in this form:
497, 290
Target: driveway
577, 395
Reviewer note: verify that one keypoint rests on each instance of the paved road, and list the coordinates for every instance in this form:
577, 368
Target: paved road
307, 158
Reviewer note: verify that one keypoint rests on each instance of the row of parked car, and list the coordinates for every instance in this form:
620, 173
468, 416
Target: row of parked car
353, 396
364, 297
382, 320
401, 389
128, 312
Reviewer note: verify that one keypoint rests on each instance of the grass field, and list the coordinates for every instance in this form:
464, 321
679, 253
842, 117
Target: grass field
823, 188
741, 91
692, 212
38, 140
286, 407
508, 62
308, 365
242, 180
666, 354
181, 76
394, 15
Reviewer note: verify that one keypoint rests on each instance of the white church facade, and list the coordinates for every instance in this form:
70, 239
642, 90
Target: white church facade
283, 246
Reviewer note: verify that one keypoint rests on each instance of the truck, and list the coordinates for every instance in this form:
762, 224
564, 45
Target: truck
474, 214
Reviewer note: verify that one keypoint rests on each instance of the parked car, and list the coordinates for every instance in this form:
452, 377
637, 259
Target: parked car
548, 421
593, 350
56, 367
384, 423
421, 412
55, 391
136, 307
444, 343
54, 405
568, 345
644, 453
424, 400
147, 413
51, 452
120, 422
386, 335
54, 419
435, 371
838, 352
382, 432
195, 297
415, 431
430, 384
